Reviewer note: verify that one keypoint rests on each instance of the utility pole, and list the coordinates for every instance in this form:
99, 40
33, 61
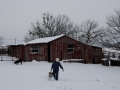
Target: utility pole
15, 40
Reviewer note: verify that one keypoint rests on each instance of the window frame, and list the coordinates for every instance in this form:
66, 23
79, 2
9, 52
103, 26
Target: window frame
70, 48
34, 49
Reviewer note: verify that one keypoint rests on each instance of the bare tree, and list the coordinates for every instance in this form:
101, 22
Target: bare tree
113, 29
50, 26
29, 37
1, 40
89, 32
113, 21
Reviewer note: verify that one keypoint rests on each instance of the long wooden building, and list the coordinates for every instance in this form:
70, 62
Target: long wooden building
62, 47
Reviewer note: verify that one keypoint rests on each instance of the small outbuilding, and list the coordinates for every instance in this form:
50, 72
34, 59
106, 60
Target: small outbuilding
111, 56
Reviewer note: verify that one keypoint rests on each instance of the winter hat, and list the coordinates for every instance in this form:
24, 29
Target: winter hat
57, 59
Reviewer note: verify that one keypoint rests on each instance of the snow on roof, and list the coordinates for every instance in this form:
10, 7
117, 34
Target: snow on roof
3, 46
44, 40
111, 50
16, 44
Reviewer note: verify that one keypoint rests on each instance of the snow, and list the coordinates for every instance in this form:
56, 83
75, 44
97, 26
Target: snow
112, 54
110, 50
76, 76
3, 46
7, 58
44, 40
117, 59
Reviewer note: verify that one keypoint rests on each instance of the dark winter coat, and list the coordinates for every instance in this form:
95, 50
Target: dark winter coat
55, 66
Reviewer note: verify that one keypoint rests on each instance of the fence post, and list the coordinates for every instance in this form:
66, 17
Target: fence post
70, 61
1, 57
1, 54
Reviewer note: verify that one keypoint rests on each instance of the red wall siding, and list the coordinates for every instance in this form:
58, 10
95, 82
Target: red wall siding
59, 49
41, 56
20, 52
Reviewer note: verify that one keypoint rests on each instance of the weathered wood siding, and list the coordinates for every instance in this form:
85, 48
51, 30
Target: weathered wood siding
97, 55
40, 56
58, 48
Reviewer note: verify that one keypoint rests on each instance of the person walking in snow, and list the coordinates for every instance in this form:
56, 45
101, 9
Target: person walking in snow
55, 66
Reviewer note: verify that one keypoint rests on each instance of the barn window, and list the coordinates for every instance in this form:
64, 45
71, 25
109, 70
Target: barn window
70, 48
34, 49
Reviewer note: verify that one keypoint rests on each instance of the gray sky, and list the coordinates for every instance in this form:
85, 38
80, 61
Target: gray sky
16, 15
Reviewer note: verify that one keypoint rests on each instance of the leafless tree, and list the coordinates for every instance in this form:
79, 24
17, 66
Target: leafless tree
29, 37
51, 26
113, 30
90, 33
113, 21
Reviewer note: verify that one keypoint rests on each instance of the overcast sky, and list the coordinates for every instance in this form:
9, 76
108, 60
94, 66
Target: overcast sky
16, 15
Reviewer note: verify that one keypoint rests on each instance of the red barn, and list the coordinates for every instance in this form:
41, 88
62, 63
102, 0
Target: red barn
62, 46
50, 48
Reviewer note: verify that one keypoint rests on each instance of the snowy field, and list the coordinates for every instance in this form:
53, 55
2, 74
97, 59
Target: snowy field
76, 76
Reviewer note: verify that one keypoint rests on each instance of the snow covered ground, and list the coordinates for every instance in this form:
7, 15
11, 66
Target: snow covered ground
76, 76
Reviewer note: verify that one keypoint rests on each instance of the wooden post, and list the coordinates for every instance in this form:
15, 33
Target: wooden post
1, 57
1, 53
12, 55
70, 61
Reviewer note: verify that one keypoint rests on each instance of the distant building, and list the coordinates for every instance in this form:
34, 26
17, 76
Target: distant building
3, 49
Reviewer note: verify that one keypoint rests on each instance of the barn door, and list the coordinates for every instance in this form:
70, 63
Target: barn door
48, 52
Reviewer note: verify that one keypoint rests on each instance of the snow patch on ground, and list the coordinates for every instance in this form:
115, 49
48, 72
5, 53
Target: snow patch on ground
76, 76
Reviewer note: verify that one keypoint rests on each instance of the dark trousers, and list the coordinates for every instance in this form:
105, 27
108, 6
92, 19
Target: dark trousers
55, 74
